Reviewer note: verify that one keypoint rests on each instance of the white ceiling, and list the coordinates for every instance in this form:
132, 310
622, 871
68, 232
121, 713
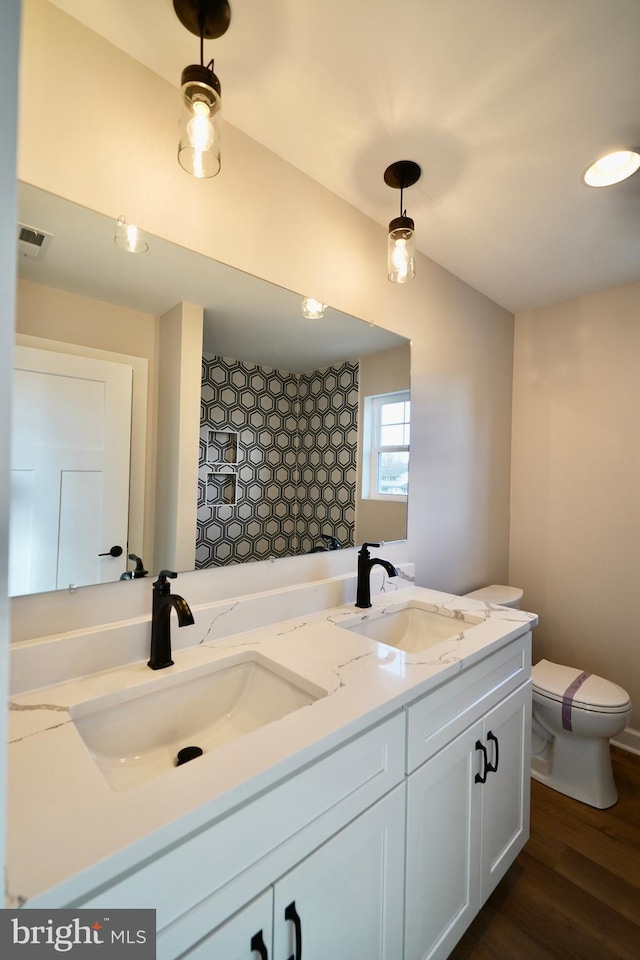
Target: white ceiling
503, 103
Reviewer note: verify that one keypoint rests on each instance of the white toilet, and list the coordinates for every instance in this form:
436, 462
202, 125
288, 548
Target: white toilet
498, 593
575, 714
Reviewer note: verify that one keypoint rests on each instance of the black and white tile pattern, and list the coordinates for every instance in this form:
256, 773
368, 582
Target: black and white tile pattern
287, 467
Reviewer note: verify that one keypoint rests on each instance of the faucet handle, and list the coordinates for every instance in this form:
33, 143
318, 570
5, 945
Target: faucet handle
364, 550
161, 583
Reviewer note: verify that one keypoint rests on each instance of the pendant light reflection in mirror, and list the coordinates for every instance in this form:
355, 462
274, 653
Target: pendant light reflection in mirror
312, 309
128, 238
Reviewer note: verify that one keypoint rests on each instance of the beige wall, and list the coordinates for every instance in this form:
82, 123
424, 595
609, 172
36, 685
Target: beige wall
59, 315
121, 160
575, 505
385, 372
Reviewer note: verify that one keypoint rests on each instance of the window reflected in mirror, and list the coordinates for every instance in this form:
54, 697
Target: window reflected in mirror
387, 419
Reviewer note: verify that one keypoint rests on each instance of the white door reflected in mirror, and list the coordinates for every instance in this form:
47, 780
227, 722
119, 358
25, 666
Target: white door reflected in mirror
71, 437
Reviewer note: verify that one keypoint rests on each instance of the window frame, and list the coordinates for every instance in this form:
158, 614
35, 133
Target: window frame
373, 447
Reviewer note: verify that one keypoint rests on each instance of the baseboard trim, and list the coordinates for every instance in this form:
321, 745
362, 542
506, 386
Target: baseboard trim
629, 740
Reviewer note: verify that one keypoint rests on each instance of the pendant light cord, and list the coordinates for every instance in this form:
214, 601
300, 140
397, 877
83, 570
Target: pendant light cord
201, 22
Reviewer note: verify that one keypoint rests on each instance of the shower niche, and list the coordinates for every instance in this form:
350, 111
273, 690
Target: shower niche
218, 467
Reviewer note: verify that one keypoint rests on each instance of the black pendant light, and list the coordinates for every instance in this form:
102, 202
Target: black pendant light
199, 146
401, 244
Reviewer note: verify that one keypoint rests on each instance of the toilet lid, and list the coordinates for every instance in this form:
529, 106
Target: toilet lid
497, 593
585, 690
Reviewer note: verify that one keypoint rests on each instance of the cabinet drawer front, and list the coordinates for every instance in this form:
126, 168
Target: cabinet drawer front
348, 780
242, 937
446, 711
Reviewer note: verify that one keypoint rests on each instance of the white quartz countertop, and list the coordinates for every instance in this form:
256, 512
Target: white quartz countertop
70, 831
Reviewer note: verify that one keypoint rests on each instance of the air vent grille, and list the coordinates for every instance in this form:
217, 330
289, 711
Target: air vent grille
32, 243
31, 236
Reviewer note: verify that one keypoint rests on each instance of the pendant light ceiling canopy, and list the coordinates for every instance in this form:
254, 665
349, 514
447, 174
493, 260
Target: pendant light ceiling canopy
401, 243
209, 17
199, 146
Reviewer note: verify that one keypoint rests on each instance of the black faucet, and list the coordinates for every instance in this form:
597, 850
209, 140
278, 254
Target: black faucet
139, 571
163, 600
365, 563
332, 542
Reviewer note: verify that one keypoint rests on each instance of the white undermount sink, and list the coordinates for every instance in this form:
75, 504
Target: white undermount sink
411, 626
136, 734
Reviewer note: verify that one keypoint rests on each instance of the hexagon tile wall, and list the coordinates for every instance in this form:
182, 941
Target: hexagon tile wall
327, 454
277, 460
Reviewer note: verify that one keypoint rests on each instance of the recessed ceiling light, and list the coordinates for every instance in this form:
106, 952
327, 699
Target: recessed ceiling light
612, 168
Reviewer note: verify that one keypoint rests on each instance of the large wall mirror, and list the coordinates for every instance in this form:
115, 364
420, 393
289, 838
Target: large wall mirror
303, 433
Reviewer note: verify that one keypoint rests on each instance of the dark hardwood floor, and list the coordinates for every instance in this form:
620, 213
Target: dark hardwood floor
574, 891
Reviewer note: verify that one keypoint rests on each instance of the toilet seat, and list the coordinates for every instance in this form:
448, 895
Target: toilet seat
593, 693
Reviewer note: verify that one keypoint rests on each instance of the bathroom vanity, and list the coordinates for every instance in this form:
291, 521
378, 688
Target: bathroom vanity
372, 818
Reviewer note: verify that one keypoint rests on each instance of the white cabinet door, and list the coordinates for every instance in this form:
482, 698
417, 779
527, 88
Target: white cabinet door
506, 793
346, 899
443, 848
467, 819
246, 936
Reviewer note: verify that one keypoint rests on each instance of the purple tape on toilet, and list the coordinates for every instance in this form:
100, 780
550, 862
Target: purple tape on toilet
567, 699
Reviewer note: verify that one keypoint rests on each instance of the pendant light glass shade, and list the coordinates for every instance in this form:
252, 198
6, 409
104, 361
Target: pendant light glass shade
199, 146
128, 237
401, 251
312, 309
